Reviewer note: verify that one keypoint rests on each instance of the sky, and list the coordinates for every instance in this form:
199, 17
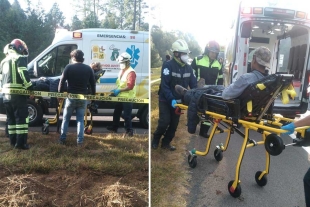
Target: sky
205, 19
64, 5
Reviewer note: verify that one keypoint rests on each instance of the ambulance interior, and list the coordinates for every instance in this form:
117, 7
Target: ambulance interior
289, 45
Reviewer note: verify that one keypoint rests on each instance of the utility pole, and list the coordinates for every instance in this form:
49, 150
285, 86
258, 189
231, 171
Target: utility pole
134, 15
95, 13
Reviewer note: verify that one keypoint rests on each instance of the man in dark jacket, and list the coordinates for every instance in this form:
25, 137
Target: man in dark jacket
174, 72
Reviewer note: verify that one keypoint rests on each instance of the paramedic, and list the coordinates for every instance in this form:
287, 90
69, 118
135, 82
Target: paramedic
175, 71
78, 77
207, 67
126, 87
15, 75
306, 142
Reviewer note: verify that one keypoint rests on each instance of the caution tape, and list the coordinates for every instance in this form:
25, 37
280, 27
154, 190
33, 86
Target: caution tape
73, 96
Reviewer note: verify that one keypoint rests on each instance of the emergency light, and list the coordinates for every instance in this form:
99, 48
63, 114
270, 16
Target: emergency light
77, 34
301, 15
246, 10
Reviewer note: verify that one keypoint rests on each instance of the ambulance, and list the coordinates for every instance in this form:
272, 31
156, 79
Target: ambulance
98, 45
283, 26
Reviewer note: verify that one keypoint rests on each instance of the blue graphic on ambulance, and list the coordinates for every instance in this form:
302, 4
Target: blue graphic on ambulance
134, 52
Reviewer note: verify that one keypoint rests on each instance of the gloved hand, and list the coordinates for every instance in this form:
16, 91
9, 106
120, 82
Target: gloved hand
173, 102
116, 91
290, 128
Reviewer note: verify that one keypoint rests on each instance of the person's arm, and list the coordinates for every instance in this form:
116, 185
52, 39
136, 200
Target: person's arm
131, 81
63, 80
299, 123
193, 80
92, 82
165, 82
194, 66
23, 73
235, 89
220, 80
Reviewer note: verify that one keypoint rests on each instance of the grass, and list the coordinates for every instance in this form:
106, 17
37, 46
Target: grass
169, 177
103, 155
155, 73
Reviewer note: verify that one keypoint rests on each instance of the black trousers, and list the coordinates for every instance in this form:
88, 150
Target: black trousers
126, 108
307, 187
167, 123
17, 118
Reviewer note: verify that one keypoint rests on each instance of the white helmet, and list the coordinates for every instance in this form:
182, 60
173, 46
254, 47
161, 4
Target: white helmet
124, 57
6, 49
180, 46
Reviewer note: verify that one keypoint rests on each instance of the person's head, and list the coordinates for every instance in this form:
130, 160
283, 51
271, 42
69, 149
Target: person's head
124, 60
19, 46
95, 65
77, 56
6, 50
168, 57
212, 49
261, 59
180, 50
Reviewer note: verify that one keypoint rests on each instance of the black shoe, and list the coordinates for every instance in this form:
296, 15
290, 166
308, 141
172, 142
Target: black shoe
168, 147
112, 129
205, 135
24, 147
154, 145
129, 133
62, 142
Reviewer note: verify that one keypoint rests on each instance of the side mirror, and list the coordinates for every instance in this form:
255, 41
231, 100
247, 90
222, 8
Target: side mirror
246, 30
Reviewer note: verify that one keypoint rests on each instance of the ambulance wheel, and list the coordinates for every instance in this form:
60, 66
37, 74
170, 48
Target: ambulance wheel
35, 113
144, 118
192, 161
234, 193
218, 154
45, 130
263, 181
274, 144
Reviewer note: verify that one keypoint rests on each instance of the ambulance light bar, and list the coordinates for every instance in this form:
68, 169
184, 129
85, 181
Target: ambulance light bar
77, 34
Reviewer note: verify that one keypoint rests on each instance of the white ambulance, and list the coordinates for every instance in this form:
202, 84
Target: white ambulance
98, 45
284, 27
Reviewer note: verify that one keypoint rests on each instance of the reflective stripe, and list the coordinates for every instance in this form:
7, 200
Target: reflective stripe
13, 72
12, 131
27, 120
12, 85
21, 131
220, 76
174, 74
21, 126
22, 75
11, 127
186, 75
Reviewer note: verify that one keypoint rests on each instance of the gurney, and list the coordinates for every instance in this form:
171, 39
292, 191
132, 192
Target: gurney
253, 111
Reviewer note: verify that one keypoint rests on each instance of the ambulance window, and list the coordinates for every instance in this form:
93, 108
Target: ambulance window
54, 62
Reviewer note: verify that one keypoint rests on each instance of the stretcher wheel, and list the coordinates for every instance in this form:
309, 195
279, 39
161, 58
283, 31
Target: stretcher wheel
274, 144
263, 181
234, 193
192, 161
218, 154
45, 130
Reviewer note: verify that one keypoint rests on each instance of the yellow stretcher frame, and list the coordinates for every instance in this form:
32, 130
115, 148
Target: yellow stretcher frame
264, 127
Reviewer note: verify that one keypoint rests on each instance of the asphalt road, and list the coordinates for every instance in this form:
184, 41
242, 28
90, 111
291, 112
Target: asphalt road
99, 125
209, 183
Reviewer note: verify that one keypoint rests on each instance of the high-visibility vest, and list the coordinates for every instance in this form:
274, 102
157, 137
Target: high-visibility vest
121, 82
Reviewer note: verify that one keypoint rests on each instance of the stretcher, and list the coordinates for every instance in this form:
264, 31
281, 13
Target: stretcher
251, 111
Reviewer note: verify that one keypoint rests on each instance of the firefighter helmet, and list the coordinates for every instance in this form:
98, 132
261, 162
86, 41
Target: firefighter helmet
180, 46
19, 46
124, 57
212, 46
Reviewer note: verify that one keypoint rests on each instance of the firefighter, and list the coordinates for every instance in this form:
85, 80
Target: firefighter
126, 87
15, 76
209, 68
174, 72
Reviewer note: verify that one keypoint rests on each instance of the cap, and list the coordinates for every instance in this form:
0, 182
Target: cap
263, 56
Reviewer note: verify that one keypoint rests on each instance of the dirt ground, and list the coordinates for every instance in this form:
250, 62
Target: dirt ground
62, 189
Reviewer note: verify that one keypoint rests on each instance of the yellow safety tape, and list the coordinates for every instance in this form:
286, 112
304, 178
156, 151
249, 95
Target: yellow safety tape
73, 96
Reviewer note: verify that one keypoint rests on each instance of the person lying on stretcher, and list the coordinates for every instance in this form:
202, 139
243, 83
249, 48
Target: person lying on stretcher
259, 64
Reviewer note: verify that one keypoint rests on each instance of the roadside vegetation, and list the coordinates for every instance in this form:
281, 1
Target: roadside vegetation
169, 177
107, 171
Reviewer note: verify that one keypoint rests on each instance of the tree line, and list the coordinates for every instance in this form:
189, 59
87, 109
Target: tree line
36, 27
162, 41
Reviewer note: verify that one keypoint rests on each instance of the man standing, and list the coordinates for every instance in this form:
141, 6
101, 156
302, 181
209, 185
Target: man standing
15, 76
126, 87
207, 67
78, 77
174, 72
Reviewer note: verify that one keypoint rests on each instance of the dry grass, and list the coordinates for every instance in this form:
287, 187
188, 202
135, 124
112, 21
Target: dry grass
108, 170
169, 177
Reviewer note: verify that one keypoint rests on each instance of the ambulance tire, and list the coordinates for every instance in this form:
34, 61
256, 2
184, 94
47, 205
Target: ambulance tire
144, 118
35, 113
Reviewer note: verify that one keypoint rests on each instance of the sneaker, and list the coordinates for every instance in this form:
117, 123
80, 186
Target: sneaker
62, 142
129, 133
112, 129
168, 147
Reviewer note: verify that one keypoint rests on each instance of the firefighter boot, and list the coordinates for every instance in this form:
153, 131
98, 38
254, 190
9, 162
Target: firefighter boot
21, 142
12, 139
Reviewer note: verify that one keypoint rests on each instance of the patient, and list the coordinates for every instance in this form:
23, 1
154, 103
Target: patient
260, 61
